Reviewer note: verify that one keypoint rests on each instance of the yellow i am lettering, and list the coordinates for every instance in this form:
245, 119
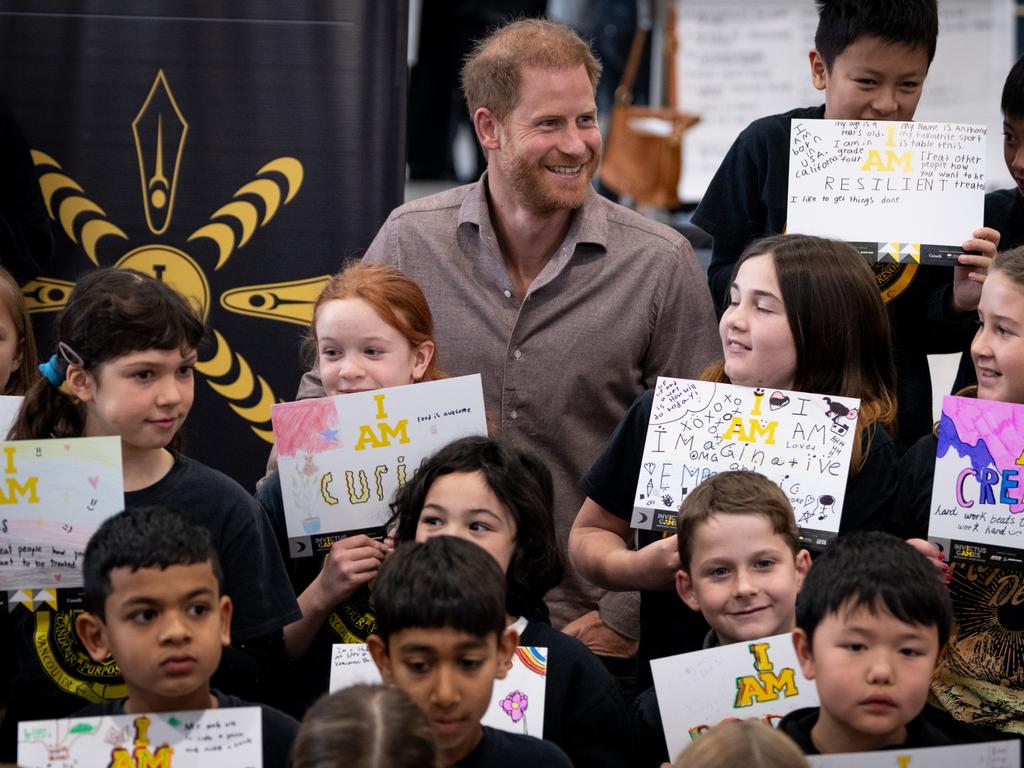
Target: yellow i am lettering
736, 431
874, 161
14, 488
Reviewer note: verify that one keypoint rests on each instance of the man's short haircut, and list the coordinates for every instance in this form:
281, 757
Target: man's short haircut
735, 493
492, 71
146, 537
443, 583
1012, 102
913, 23
874, 570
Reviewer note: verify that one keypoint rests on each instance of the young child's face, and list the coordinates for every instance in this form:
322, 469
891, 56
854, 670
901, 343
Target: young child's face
1013, 148
450, 675
142, 396
358, 351
872, 671
462, 504
872, 79
165, 629
743, 577
757, 342
10, 348
998, 346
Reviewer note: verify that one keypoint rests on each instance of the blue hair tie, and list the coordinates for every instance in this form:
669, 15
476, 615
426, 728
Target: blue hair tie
51, 371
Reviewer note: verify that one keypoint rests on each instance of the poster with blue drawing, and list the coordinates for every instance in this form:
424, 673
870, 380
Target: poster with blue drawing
232, 738
53, 495
342, 458
976, 505
801, 441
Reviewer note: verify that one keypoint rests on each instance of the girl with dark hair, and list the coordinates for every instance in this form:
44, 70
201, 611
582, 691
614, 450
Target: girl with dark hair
501, 497
803, 314
126, 353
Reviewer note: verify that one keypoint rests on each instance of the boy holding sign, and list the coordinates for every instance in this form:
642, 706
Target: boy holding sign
741, 566
870, 58
153, 590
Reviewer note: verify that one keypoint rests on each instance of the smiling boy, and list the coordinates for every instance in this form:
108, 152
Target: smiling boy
153, 593
872, 618
442, 639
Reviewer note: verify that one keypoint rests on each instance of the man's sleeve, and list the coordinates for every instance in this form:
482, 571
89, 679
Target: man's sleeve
684, 332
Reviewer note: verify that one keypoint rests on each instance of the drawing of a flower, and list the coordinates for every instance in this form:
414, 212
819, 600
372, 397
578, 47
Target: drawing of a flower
514, 705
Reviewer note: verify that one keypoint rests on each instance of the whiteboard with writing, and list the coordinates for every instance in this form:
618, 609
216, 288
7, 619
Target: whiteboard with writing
195, 739
901, 192
760, 679
992, 754
977, 512
802, 442
342, 458
739, 60
517, 702
53, 495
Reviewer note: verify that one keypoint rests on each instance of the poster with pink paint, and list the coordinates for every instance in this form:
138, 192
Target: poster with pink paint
342, 458
976, 506
53, 495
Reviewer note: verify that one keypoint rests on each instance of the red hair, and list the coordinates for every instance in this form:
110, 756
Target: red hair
394, 297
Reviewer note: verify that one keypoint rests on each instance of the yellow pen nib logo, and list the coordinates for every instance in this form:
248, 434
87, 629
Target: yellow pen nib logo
160, 130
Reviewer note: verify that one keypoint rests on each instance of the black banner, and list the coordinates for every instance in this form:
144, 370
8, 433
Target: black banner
239, 150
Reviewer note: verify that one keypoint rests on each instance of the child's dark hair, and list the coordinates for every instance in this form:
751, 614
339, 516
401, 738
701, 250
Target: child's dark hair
1012, 102
365, 726
522, 483
111, 312
876, 571
739, 492
913, 23
445, 582
145, 537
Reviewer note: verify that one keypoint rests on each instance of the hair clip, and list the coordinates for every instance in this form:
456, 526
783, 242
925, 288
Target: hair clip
51, 371
70, 356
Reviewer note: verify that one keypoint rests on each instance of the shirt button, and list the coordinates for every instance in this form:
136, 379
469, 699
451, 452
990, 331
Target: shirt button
514, 415
517, 354
508, 293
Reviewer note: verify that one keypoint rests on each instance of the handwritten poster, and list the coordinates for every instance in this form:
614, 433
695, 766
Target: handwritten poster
517, 703
199, 738
53, 495
760, 679
978, 485
992, 754
342, 458
697, 429
900, 192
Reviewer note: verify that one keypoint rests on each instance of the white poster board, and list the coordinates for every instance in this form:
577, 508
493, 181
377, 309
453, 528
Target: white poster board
9, 407
697, 429
992, 754
976, 506
342, 458
232, 738
517, 703
760, 679
900, 192
739, 60
55, 494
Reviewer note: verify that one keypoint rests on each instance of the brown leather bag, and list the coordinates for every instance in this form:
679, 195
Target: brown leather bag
643, 155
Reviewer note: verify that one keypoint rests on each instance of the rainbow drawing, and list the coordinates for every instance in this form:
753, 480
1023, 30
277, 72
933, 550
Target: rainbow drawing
533, 659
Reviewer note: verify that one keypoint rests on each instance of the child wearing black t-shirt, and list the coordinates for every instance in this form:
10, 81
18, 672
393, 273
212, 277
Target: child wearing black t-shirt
153, 592
442, 639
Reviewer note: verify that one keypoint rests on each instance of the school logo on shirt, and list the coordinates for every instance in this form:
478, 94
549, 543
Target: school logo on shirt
66, 662
159, 130
355, 619
893, 279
